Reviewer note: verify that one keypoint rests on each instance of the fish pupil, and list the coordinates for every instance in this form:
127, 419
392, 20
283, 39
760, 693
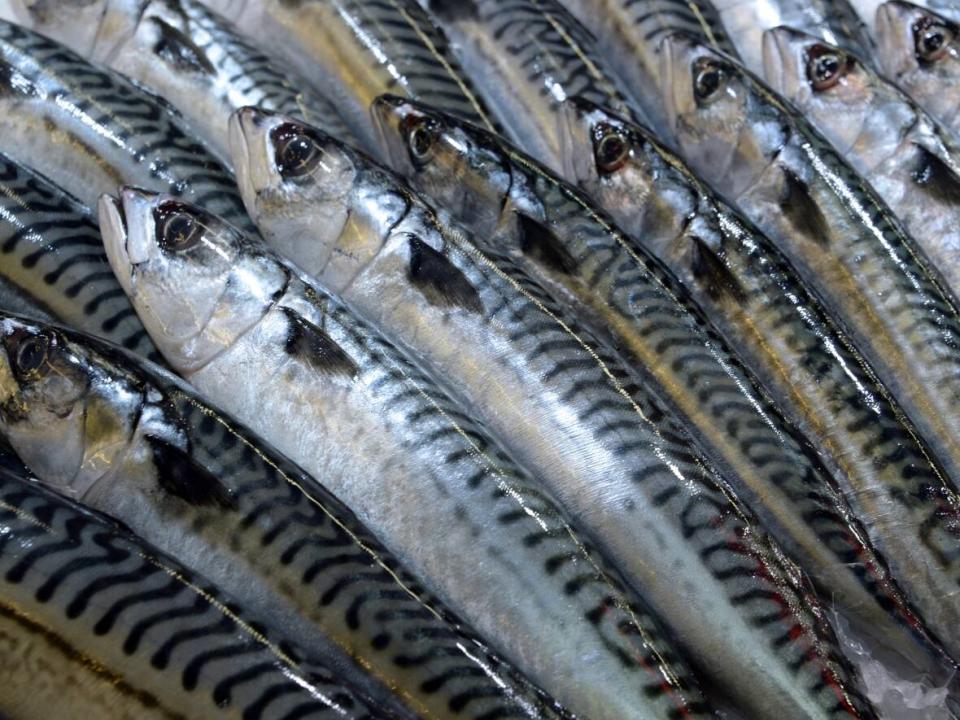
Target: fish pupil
708, 80
32, 354
611, 151
421, 140
296, 154
931, 39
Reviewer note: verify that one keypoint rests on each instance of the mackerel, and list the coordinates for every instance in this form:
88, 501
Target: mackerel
394, 447
527, 57
90, 130
189, 55
131, 440
52, 260
824, 386
909, 159
920, 52
833, 21
354, 50
867, 10
631, 31
564, 406
96, 623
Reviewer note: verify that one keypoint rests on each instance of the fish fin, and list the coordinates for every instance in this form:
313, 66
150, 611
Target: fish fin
801, 209
440, 281
311, 344
712, 273
936, 177
453, 9
180, 475
539, 243
179, 50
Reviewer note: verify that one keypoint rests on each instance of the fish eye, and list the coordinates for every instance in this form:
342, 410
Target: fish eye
611, 149
31, 352
931, 38
421, 137
295, 152
177, 227
826, 66
709, 77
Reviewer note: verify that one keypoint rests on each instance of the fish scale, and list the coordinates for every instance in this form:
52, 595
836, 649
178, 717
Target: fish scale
410, 458
566, 407
527, 57
631, 31
52, 252
90, 130
186, 53
189, 480
821, 380
849, 248
94, 621
354, 50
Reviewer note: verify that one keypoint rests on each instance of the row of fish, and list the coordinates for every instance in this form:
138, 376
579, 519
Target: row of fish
528, 359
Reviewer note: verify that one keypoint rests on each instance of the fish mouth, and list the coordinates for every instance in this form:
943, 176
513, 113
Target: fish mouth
113, 229
577, 119
127, 244
248, 134
780, 59
387, 112
675, 49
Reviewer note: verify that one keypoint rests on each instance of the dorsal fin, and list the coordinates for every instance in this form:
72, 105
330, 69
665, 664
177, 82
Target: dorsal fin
801, 209
179, 50
451, 10
181, 476
712, 273
936, 177
440, 281
312, 345
540, 244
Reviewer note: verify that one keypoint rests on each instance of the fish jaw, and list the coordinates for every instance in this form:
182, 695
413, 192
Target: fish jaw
784, 59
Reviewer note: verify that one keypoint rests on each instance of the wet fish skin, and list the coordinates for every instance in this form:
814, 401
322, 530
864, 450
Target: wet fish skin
833, 21
837, 233
354, 50
136, 442
920, 52
825, 387
912, 162
562, 404
526, 57
89, 129
394, 447
96, 623
52, 256
188, 55
631, 31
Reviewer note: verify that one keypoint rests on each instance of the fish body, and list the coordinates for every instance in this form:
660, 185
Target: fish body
764, 309
842, 239
630, 33
90, 130
354, 50
562, 404
96, 623
833, 21
131, 440
912, 163
52, 261
187, 54
527, 57
920, 51
349, 407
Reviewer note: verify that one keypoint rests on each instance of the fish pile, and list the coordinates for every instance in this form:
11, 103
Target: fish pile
479, 359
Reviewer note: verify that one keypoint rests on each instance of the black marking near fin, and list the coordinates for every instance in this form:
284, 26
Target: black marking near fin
802, 210
451, 10
712, 273
181, 476
539, 243
179, 50
936, 177
440, 281
312, 345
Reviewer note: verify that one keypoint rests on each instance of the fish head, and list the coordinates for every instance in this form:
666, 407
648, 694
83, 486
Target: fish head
717, 114
916, 45
296, 183
196, 282
461, 167
52, 409
821, 80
